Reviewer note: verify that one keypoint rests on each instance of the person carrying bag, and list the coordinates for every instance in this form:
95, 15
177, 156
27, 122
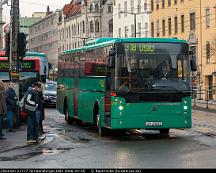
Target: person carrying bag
30, 106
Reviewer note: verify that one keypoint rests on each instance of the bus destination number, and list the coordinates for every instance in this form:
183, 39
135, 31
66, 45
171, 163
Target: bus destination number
150, 124
143, 48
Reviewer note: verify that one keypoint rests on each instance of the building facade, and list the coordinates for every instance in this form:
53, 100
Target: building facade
131, 18
83, 21
1, 28
43, 37
194, 21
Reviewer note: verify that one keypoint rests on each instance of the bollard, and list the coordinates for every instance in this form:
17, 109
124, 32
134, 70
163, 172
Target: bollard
195, 98
207, 99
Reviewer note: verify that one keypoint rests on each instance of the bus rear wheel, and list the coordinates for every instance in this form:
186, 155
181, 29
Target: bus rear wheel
164, 131
101, 130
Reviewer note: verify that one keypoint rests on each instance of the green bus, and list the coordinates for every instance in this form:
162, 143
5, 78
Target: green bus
127, 83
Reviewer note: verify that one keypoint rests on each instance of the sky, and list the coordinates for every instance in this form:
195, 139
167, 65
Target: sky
28, 7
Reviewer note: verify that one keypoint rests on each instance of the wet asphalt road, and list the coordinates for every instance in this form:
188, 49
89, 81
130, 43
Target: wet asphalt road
79, 146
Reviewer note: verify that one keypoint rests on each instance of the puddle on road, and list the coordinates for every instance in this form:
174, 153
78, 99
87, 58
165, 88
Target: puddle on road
42, 151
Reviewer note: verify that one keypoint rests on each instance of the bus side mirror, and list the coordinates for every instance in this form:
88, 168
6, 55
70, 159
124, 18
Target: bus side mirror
111, 59
193, 65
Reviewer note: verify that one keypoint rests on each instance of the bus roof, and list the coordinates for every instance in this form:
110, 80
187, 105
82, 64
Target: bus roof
35, 54
101, 42
2, 54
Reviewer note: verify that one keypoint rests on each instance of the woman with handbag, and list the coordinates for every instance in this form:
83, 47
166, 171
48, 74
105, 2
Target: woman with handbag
3, 108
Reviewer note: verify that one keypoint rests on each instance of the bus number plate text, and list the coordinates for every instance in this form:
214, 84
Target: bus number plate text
150, 124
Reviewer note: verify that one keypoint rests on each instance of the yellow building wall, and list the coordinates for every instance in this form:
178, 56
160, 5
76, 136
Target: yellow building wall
202, 33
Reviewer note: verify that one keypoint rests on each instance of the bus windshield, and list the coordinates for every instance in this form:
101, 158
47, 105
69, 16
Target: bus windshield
144, 67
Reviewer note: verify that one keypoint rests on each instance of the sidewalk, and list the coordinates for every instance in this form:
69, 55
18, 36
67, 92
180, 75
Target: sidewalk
202, 105
13, 139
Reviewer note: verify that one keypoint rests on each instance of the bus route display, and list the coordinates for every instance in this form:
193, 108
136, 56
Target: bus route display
25, 65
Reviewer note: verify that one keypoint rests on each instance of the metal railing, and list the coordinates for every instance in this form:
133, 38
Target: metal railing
205, 96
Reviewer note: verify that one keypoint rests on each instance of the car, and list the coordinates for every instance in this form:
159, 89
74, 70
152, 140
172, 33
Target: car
49, 93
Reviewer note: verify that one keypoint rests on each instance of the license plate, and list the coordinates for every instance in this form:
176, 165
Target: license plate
150, 124
53, 101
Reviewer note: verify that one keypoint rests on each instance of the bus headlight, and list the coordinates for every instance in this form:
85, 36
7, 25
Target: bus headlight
121, 108
185, 107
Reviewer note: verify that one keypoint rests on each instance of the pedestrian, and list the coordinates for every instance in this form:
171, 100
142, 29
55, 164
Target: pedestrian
3, 108
41, 112
11, 99
31, 100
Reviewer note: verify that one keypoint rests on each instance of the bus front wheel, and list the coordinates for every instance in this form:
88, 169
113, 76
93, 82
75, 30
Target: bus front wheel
101, 130
164, 131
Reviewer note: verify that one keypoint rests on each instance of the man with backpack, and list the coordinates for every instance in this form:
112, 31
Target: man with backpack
31, 101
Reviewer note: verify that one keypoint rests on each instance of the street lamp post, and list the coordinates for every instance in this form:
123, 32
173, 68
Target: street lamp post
135, 14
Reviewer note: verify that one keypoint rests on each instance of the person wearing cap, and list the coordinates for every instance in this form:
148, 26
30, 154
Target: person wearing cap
32, 99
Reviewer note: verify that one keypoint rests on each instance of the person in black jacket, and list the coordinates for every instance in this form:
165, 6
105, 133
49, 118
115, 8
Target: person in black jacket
11, 99
40, 113
32, 100
3, 108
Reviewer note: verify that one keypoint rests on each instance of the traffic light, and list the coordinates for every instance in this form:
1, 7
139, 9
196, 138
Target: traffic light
22, 44
7, 47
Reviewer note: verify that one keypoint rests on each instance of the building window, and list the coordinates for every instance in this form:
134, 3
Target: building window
170, 26
163, 27
145, 6
125, 8
163, 3
208, 52
78, 28
83, 25
152, 5
132, 6
96, 8
158, 28
109, 8
90, 8
139, 29
91, 27
169, 3
182, 1
176, 25
182, 23
119, 32
97, 26
146, 29
152, 29
192, 21
139, 6
207, 17
126, 30
157, 4
208, 55
132, 31
175, 2
111, 26
119, 10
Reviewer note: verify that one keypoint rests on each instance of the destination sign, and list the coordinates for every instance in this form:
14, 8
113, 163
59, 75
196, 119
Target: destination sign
28, 65
25, 65
140, 47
